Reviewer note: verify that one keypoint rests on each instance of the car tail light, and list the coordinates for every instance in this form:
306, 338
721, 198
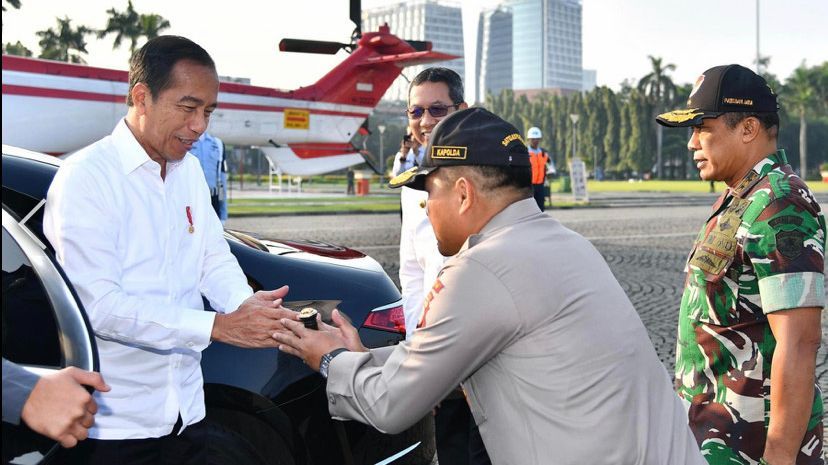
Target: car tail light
389, 318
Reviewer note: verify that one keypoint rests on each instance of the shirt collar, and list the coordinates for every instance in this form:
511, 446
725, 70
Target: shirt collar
514, 213
759, 171
130, 152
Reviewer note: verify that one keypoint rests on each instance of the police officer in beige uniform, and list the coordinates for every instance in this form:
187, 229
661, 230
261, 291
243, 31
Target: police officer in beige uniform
554, 360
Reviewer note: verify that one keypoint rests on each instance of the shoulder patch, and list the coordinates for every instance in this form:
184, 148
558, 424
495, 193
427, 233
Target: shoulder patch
435, 289
790, 243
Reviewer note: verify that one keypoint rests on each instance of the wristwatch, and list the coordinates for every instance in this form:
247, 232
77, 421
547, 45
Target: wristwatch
326, 361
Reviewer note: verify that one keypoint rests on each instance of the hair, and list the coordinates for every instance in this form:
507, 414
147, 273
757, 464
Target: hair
493, 178
769, 120
444, 75
153, 63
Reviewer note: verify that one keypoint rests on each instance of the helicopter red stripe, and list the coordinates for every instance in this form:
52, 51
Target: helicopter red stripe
11, 89
34, 65
318, 150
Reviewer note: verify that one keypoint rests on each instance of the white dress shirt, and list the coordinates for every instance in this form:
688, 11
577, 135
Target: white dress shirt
123, 237
420, 261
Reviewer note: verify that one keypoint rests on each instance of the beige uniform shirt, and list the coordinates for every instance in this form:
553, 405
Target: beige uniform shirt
555, 362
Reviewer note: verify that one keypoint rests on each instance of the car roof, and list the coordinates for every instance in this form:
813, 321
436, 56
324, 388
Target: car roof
28, 154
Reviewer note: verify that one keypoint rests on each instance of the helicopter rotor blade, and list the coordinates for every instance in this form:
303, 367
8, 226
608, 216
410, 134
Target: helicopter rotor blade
311, 46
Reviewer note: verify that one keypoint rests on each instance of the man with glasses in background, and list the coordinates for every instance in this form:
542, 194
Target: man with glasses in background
433, 94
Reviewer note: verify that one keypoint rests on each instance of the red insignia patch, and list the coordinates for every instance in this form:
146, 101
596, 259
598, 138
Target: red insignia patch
435, 289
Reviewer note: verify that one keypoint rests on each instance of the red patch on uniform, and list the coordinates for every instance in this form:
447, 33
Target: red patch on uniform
435, 289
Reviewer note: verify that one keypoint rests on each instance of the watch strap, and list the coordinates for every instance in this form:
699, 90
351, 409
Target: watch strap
325, 363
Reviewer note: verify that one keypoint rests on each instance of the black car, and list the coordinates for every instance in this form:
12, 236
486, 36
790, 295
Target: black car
263, 406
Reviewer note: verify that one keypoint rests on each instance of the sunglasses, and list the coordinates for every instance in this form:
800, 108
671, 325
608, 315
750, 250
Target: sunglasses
436, 111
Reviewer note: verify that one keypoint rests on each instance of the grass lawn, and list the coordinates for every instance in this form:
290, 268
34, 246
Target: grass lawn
665, 186
367, 204
389, 200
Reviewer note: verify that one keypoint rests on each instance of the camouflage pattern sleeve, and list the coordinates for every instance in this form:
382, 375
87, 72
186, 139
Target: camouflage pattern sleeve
786, 246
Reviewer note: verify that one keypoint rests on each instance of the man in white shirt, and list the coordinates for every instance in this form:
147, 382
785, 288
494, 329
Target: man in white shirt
132, 225
433, 94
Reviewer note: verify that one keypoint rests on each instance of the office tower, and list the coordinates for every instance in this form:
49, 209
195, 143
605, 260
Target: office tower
590, 80
439, 23
546, 45
494, 52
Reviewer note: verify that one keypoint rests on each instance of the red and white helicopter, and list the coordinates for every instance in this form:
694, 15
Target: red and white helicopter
57, 107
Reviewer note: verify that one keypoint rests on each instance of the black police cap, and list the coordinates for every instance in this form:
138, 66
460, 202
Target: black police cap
723, 89
474, 136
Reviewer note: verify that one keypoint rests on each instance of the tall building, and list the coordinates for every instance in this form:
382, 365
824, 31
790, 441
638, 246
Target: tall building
440, 23
590, 80
546, 45
494, 52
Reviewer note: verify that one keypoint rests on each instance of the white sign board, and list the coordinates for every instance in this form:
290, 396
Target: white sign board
577, 171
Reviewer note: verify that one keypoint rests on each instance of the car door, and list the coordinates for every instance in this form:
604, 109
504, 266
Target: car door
44, 327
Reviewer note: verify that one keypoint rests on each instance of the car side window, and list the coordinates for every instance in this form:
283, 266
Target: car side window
30, 334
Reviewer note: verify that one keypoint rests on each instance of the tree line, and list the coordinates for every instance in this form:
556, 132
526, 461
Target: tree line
617, 133
66, 42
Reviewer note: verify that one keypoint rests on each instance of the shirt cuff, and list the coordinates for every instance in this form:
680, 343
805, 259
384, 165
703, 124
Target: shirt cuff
17, 388
339, 383
236, 299
792, 290
197, 330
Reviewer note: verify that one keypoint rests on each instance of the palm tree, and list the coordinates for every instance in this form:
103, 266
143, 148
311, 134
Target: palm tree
152, 25
659, 89
16, 49
12, 3
130, 25
65, 44
124, 25
800, 97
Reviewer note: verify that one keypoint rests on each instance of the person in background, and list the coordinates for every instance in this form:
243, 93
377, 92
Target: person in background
540, 160
349, 177
749, 324
210, 153
410, 155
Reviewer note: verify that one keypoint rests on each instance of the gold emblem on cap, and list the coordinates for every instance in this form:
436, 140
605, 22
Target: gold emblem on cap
738, 101
403, 177
448, 152
680, 116
510, 138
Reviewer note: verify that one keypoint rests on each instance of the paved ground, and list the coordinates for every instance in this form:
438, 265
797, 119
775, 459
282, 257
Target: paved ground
645, 248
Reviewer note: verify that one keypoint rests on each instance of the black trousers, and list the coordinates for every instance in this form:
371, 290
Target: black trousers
188, 448
539, 191
458, 439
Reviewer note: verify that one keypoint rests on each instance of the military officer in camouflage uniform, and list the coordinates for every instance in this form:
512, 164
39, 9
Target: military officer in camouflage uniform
749, 323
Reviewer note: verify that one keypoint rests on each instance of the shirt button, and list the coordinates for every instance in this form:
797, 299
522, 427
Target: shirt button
190, 344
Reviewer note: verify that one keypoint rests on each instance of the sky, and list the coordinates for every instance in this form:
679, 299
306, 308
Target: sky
617, 35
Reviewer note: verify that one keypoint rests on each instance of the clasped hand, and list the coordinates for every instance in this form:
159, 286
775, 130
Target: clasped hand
255, 321
310, 345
